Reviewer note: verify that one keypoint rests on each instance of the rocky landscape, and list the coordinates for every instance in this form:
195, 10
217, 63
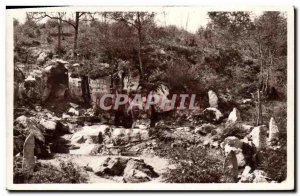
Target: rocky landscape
235, 134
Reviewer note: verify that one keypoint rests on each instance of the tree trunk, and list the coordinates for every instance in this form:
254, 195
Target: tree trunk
76, 28
259, 110
139, 28
59, 38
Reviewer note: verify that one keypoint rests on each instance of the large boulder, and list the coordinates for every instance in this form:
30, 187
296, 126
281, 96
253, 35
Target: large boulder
138, 171
247, 176
22, 120
55, 80
260, 176
42, 58
213, 99
28, 156
212, 114
273, 131
48, 124
234, 116
235, 145
259, 136
230, 173
112, 167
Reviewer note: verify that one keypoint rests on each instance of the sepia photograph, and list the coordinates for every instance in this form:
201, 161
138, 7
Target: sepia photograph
150, 98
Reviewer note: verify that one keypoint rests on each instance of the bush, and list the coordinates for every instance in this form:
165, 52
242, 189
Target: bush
274, 163
195, 165
47, 173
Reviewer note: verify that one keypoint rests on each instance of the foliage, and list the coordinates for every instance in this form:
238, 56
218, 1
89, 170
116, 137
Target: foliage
67, 172
274, 163
195, 165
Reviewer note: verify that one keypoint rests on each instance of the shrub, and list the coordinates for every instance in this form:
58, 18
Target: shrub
196, 165
274, 163
67, 172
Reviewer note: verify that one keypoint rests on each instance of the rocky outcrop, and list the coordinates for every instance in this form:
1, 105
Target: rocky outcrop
212, 115
259, 136
132, 170
138, 171
28, 156
213, 99
230, 173
234, 116
112, 167
273, 131
233, 144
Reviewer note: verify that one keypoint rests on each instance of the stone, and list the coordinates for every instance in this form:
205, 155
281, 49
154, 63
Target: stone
142, 124
112, 167
205, 129
247, 128
42, 58
273, 131
48, 124
138, 171
73, 105
28, 156
260, 176
33, 127
64, 116
212, 114
73, 111
247, 101
38, 108
213, 99
22, 120
234, 116
230, 168
246, 176
259, 136
233, 144
30, 79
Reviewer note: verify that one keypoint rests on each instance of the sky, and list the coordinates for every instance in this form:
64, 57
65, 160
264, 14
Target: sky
190, 20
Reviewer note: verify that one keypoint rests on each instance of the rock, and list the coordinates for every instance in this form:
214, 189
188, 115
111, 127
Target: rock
30, 79
247, 101
38, 108
246, 176
33, 127
247, 128
123, 136
205, 129
259, 136
48, 124
28, 156
212, 114
213, 99
137, 171
142, 124
234, 116
22, 120
260, 176
273, 131
73, 105
230, 168
112, 166
42, 58
64, 116
232, 141
233, 144
72, 111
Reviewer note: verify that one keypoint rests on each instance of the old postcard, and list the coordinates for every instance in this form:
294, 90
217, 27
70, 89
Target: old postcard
150, 98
